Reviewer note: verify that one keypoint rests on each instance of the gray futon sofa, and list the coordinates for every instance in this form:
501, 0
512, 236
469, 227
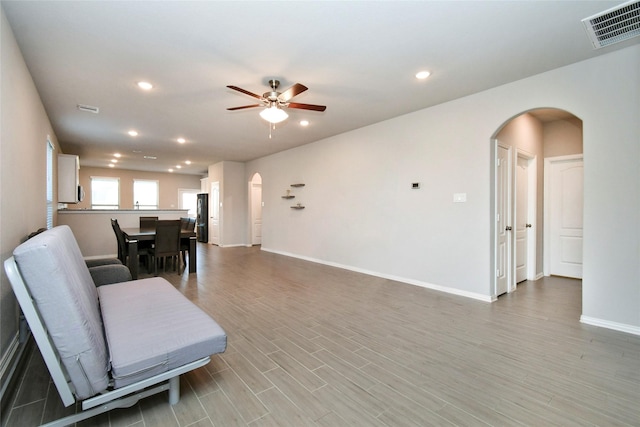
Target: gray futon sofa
111, 345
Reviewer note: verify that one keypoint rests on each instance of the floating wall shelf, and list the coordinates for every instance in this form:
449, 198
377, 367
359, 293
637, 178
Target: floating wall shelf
289, 196
297, 207
297, 185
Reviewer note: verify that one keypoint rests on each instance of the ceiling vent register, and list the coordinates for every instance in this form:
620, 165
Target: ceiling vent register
614, 25
88, 108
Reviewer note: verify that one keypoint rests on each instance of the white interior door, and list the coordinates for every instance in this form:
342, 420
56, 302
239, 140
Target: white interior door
522, 224
214, 216
564, 190
256, 214
503, 219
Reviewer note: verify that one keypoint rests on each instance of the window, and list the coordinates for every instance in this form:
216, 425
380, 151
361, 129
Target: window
145, 194
49, 184
188, 199
105, 193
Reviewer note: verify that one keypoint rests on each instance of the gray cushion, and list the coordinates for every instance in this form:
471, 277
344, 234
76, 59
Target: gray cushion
59, 281
152, 328
108, 274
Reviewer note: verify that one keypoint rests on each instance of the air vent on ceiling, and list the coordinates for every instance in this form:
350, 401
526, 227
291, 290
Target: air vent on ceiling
614, 25
88, 108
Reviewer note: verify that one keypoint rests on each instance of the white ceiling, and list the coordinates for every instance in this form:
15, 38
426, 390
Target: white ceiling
358, 58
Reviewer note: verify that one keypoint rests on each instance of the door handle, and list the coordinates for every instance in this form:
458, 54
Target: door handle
528, 225
508, 228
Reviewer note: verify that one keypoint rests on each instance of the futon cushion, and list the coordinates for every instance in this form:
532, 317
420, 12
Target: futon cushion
152, 328
58, 279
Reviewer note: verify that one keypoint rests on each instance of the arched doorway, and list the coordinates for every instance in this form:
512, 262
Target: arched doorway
520, 149
255, 210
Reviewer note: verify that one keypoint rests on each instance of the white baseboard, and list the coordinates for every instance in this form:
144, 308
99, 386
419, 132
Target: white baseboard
454, 291
8, 356
9, 363
622, 327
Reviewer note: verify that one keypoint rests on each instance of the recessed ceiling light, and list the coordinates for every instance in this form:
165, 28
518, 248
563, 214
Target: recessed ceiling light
187, 162
304, 122
170, 170
133, 133
182, 140
178, 167
145, 85
118, 155
111, 165
114, 160
423, 75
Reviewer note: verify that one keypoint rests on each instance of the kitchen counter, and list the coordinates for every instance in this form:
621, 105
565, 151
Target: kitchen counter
92, 227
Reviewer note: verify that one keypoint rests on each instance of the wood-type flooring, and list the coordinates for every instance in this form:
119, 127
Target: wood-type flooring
313, 345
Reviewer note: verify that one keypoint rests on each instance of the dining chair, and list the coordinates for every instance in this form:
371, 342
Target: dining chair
123, 248
122, 245
148, 222
184, 223
167, 243
188, 225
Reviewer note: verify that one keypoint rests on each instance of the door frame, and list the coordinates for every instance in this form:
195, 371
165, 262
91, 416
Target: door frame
510, 269
251, 212
546, 239
211, 219
514, 154
532, 209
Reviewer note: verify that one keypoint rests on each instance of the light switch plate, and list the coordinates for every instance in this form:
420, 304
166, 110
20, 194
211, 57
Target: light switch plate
459, 197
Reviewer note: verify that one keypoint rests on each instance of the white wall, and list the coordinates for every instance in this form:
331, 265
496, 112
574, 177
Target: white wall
361, 213
24, 128
233, 195
563, 137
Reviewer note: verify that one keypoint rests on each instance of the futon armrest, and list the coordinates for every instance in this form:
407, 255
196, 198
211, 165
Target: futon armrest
101, 261
108, 274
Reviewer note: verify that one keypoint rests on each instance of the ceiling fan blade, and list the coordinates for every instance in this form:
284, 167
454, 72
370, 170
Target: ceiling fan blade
246, 92
294, 90
307, 106
243, 107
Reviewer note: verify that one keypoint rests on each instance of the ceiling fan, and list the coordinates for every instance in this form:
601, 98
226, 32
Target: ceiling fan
275, 101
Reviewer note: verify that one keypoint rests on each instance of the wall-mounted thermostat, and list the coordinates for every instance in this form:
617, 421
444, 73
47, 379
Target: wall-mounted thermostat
415, 185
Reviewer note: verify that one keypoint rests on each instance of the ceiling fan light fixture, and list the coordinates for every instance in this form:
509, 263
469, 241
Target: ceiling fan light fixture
145, 85
274, 114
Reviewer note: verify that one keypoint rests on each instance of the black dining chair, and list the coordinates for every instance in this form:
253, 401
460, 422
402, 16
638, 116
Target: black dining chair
188, 225
167, 244
148, 222
184, 223
123, 248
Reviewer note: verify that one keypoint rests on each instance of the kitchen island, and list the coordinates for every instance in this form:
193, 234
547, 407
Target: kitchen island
92, 227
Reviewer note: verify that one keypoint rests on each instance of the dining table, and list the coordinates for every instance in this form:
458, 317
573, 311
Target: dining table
133, 235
